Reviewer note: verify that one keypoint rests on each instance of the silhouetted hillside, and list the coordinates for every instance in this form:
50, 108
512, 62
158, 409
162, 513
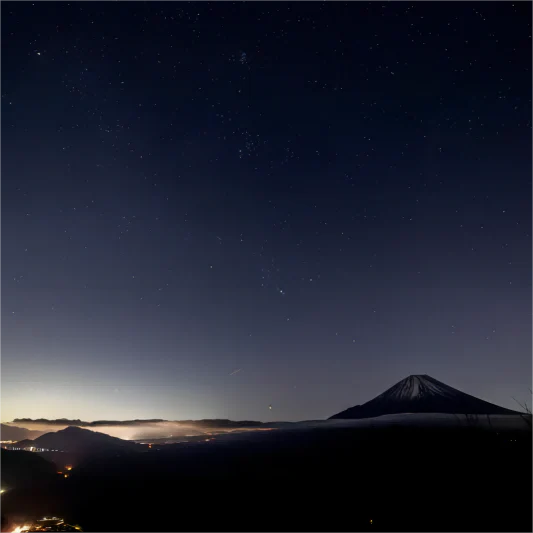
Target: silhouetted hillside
20, 469
334, 479
25, 443
78, 440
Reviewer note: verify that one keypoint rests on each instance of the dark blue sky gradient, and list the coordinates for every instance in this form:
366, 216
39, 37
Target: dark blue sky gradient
329, 197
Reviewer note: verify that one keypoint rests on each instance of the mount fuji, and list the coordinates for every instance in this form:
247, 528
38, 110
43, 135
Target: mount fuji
422, 394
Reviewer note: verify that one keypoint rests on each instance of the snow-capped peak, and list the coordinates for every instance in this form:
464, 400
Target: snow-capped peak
422, 394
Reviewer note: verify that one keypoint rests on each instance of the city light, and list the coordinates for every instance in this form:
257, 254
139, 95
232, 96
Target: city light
47, 524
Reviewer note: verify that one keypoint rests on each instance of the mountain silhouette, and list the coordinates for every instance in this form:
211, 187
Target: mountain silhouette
15, 433
211, 423
78, 440
422, 394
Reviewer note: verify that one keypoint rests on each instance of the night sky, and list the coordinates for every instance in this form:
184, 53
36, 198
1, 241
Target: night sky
210, 208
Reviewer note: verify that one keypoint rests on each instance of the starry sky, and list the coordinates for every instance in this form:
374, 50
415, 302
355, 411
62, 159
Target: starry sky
210, 208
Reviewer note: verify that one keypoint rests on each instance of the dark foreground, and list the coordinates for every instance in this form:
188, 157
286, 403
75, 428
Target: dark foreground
390, 479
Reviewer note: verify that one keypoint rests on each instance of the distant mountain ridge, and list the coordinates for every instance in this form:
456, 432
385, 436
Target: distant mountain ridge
423, 394
216, 422
15, 433
78, 422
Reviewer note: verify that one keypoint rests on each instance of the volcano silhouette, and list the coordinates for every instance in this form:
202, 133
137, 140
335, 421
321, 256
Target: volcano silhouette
422, 394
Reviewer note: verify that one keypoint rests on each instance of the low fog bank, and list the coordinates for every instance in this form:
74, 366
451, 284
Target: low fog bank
139, 430
166, 430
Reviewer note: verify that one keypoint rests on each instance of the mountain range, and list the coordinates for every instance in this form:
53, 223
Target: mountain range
216, 422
